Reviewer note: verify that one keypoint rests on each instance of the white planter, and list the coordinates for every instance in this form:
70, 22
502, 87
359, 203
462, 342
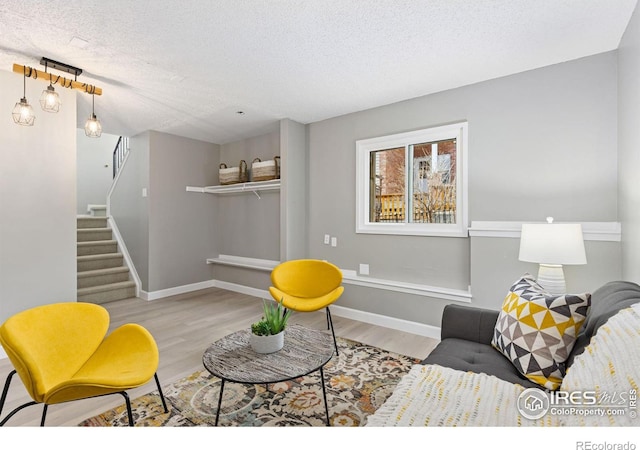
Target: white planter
267, 344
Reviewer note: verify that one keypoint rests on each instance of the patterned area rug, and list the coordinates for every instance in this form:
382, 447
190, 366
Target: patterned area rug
358, 382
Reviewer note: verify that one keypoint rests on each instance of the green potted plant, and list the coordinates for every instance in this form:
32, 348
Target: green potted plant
267, 335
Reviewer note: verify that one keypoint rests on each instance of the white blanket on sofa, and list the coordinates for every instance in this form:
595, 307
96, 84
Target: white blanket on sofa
433, 395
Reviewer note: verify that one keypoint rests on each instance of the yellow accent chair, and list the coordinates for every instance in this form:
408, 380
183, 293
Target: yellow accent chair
307, 285
62, 352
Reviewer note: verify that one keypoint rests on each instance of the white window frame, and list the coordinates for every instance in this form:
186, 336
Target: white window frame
365, 147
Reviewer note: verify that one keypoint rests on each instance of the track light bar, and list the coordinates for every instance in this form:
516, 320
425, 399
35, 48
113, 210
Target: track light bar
56, 79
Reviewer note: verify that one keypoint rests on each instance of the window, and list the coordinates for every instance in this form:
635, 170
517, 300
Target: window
413, 183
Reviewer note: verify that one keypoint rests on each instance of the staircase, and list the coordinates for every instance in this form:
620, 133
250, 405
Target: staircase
102, 274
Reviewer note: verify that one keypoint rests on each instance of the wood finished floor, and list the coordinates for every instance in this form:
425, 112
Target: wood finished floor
184, 326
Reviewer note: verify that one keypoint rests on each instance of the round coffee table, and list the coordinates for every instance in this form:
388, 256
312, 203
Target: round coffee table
305, 351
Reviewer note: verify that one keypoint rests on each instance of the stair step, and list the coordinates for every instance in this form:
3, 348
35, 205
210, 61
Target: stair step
99, 277
107, 292
97, 210
94, 234
97, 247
95, 262
91, 222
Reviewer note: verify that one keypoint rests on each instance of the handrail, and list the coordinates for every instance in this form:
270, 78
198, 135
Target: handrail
121, 150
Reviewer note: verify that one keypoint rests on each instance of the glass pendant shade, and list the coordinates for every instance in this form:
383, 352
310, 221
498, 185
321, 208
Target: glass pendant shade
50, 100
23, 113
93, 128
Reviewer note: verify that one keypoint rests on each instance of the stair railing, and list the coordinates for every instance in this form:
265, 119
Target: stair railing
119, 153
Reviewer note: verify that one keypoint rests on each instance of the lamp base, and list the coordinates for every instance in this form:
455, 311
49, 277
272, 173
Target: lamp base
551, 277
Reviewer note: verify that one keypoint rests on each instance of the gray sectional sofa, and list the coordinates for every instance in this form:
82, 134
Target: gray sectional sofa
466, 382
466, 334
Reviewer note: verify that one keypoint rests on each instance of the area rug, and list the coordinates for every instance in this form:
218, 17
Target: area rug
357, 381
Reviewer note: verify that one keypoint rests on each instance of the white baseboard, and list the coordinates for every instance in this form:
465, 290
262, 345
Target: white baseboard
155, 295
348, 313
254, 292
388, 322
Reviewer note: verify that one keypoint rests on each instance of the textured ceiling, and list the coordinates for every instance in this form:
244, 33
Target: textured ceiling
186, 67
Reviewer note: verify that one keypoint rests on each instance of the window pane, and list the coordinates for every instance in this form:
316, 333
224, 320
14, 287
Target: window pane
387, 185
434, 182
416, 182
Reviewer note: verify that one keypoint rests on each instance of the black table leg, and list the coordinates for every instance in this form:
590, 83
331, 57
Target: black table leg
324, 394
220, 400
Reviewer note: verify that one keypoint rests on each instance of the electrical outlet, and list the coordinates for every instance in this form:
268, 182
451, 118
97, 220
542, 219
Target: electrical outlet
326, 239
364, 269
144, 192
334, 241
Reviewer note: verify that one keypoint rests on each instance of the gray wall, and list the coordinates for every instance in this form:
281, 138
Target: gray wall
129, 209
37, 201
629, 145
182, 231
171, 232
248, 226
495, 266
293, 194
95, 171
541, 143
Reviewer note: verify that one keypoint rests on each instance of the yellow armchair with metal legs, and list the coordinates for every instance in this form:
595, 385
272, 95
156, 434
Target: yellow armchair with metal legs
307, 285
62, 352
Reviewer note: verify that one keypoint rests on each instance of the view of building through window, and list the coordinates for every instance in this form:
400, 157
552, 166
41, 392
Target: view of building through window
415, 184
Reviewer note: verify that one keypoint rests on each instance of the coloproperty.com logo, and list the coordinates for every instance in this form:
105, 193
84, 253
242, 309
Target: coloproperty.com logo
535, 403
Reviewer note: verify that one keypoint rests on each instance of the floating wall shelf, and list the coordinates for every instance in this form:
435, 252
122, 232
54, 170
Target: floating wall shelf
266, 265
254, 186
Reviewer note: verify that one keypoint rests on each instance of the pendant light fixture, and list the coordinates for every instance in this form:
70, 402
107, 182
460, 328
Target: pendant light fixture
50, 100
93, 128
23, 112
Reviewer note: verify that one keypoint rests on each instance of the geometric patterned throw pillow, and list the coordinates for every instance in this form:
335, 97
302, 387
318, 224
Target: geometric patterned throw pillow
537, 330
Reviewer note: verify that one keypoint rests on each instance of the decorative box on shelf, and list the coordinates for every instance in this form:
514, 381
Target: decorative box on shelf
233, 175
265, 170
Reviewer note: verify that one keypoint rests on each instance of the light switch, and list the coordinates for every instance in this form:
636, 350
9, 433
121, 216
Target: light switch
144, 192
334, 241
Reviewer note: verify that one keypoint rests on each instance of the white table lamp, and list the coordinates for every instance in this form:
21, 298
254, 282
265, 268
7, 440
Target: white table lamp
551, 245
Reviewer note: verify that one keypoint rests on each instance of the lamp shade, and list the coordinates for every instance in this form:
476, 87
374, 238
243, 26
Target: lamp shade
50, 100
92, 127
552, 243
23, 113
